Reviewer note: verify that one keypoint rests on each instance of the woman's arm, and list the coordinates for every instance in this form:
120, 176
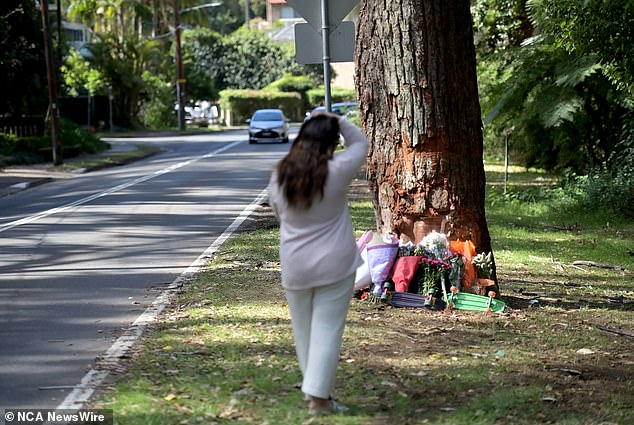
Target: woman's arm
354, 155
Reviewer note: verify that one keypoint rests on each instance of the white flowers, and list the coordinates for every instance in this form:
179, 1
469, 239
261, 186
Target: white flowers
436, 244
484, 263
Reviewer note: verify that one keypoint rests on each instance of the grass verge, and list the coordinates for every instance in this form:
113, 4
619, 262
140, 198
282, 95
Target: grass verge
224, 353
96, 162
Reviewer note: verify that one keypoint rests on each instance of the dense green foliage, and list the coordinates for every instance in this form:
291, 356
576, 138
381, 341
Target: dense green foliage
79, 76
22, 69
555, 78
604, 28
295, 83
242, 103
292, 83
338, 94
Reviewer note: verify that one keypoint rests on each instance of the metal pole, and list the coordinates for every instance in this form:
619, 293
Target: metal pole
180, 73
52, 85
247, 22
506, 159
325, 42
110, 108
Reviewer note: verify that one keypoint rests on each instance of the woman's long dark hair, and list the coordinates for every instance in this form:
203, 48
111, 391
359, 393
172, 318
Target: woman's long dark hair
302, 173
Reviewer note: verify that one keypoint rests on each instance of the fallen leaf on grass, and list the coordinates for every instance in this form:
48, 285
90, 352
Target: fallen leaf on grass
169, 397
585, 351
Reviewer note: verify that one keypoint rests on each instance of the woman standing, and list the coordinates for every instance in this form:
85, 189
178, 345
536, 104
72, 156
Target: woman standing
318, 253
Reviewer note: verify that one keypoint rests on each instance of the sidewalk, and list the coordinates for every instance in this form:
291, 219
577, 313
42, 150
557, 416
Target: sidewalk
20, 177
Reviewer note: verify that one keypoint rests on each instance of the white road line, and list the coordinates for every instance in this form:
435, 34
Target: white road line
94, 378
57, 210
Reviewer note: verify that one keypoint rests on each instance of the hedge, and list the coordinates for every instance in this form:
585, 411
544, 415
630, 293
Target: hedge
337, 94
292, 83
239, 105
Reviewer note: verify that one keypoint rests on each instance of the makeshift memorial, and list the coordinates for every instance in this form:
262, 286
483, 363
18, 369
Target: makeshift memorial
431, 274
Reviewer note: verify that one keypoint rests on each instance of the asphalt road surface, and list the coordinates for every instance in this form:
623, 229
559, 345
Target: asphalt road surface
82, 258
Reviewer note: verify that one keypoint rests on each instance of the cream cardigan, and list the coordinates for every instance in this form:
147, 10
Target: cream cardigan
317, 246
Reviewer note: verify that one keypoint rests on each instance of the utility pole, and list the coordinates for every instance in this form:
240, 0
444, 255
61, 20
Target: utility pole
180, 72
53, 107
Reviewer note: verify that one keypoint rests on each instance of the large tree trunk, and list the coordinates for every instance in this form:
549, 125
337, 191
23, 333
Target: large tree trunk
417, 87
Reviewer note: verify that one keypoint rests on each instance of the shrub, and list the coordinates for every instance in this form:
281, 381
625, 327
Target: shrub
16, 150
338, 94
158, 111
603, 189
291, 83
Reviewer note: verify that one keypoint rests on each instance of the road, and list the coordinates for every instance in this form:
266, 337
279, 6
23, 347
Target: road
82, 258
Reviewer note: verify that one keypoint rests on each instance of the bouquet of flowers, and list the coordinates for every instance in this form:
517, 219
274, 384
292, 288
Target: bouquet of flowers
381, 252
432, 276
441, 267
406, 266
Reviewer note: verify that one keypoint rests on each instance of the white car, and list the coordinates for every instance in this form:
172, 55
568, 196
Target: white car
268, 125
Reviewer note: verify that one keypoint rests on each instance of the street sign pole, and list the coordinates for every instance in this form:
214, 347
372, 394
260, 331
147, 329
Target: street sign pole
337, 42
325, 42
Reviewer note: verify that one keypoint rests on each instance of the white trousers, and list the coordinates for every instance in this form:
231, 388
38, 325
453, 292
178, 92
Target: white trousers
318, 316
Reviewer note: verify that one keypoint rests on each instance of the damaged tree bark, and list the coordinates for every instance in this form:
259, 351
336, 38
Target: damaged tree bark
418, 95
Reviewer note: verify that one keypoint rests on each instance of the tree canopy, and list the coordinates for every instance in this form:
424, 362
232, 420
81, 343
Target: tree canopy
22, 68
546, 76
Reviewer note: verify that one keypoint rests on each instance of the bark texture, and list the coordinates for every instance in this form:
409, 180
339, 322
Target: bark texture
418, 95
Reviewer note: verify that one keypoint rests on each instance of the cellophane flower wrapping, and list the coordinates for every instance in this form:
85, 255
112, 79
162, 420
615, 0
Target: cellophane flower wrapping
380, 261
467, 250
405, 268
362, 278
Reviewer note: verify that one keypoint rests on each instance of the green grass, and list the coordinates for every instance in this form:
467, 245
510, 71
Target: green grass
224, 353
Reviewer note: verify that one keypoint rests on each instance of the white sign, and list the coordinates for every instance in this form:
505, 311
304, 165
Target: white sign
310, 10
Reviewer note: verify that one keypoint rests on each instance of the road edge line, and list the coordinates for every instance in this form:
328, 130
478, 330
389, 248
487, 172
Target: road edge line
90, 382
